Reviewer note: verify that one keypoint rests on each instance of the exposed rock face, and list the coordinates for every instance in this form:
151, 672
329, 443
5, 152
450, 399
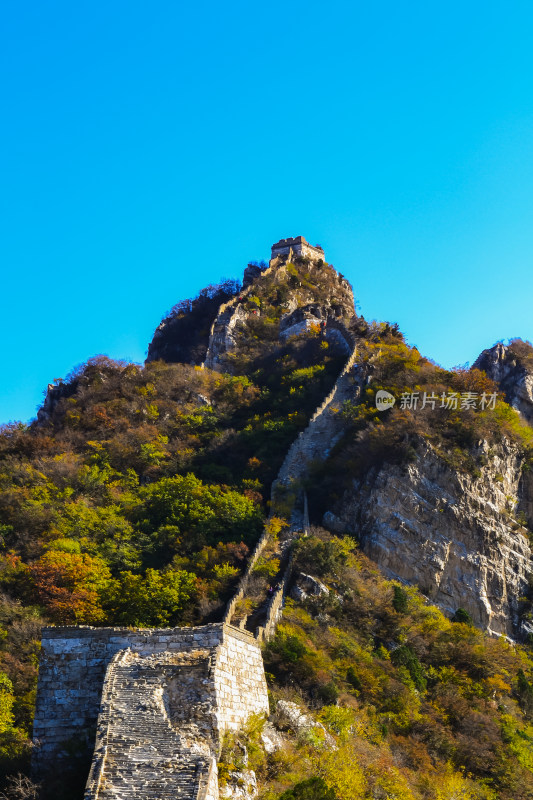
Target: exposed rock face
204, 330
183, 336
241, 785
54, 394
306, 585
305, 306
450, 533
222, 339
501, 364
291, 714
251, 272
271, 739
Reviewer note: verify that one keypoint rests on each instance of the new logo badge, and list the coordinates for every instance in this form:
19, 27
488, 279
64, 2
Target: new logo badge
384, 400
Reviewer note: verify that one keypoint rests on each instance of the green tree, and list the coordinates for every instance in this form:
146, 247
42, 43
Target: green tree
158, 598
203, 513
400, 600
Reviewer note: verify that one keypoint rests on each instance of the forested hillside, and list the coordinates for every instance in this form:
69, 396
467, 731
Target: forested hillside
136, 497
138, 494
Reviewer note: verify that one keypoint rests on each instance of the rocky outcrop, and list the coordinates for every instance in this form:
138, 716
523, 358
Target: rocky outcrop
240, 785
183, 336
251, 273
502, 365
305, 586
204, 330
222, 337
305, 305
451, 533
291, 715
55, 392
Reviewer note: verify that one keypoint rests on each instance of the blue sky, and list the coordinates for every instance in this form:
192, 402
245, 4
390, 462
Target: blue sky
147, 149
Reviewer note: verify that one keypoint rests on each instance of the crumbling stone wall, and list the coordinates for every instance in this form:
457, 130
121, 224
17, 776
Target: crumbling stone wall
212, 676
154, 736
324, 428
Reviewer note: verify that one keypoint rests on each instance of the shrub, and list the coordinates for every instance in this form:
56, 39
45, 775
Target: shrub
329, 693
158, 598
353, 679
311, 789
462, 616
323, 556
70, 586
404, 656
524, 692
400, 601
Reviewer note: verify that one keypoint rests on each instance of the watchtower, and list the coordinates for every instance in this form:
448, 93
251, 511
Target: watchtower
299, 246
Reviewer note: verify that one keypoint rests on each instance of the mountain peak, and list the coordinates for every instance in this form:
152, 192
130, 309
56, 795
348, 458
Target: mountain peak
511, 368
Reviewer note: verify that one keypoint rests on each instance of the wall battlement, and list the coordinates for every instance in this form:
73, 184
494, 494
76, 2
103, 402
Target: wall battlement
299, 246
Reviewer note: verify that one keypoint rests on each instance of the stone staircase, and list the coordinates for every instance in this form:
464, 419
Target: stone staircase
312, 444
155, 729
324, 428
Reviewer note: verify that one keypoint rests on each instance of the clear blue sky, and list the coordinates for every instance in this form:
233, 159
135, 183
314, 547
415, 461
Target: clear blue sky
147, 149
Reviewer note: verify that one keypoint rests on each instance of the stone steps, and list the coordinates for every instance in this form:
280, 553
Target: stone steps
147, 757
316, 441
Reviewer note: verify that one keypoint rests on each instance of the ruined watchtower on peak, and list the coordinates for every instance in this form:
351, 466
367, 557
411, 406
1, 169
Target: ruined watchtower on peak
299, 246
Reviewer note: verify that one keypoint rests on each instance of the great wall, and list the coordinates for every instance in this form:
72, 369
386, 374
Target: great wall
160, 700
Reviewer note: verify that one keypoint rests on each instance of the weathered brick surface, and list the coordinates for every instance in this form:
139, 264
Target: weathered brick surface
299, 246
168, 696
155, 727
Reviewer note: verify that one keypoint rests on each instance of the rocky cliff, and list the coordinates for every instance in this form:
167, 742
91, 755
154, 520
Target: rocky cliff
183, 335
453, 534
510, 368
151, 483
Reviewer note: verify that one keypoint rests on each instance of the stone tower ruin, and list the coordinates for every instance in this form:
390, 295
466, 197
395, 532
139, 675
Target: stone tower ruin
299, 247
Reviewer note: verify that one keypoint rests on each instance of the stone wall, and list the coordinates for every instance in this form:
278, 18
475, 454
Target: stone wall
315, 442
191, 684
277, 601
239, 677
324, 428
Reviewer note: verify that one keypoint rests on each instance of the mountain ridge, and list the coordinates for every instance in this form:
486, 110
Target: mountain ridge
137, 495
